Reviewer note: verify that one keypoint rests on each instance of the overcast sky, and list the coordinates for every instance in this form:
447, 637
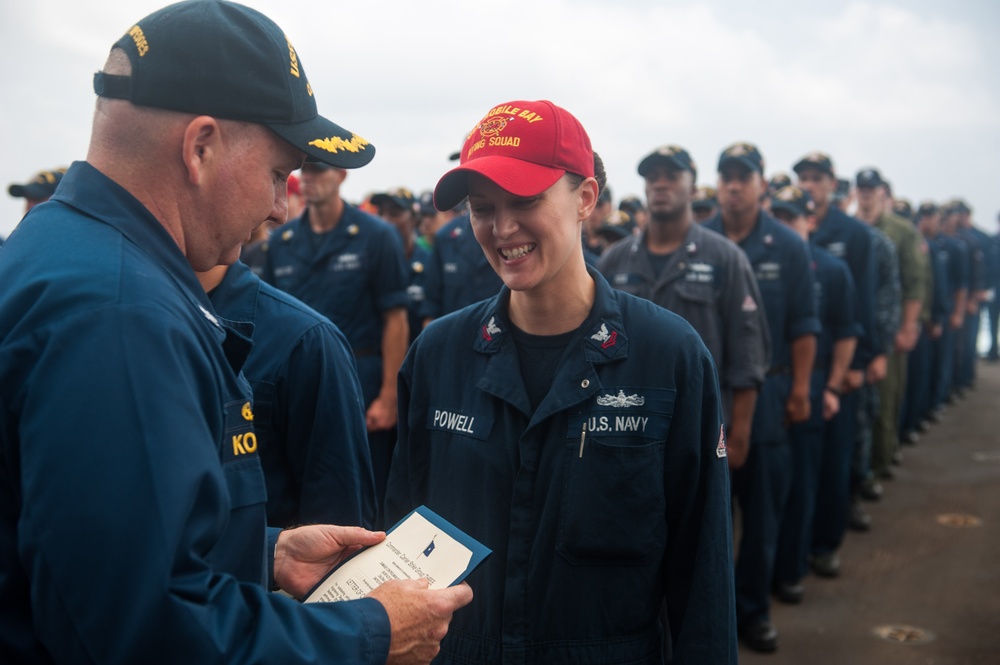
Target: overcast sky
909, 87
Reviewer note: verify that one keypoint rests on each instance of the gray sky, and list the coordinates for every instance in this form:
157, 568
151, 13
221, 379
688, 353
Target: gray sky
909, 87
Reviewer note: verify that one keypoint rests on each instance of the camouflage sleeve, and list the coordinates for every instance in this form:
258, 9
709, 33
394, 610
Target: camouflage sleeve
912, 267
887, 291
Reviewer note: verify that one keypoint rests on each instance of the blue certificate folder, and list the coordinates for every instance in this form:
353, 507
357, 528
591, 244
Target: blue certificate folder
479, 552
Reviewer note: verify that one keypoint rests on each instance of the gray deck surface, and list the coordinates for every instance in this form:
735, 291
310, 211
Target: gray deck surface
910, 570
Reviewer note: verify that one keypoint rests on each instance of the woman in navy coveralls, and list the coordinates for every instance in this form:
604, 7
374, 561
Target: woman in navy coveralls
573, 429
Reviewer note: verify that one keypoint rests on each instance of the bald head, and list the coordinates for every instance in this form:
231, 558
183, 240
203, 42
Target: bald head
194, 173
129, 143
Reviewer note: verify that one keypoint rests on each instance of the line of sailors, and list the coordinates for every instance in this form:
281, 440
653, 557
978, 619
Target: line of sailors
898, 294
836, 337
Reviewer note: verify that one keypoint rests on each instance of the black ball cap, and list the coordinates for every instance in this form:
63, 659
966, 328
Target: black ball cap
222, 59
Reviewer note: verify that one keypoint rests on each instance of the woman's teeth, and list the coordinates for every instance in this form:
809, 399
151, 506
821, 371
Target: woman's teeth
511, 253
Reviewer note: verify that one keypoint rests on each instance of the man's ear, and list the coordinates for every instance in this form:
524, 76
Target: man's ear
201, 147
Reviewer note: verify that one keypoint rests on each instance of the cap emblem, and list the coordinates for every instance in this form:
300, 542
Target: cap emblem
493, 126
789, 193
335, 144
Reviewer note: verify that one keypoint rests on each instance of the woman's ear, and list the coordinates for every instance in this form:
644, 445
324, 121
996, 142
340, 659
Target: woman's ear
588, 193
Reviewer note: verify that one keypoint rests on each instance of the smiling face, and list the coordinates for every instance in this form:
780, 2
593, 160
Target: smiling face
533, 243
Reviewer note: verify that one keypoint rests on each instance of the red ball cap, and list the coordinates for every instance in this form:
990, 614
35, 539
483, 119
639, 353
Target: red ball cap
523, 147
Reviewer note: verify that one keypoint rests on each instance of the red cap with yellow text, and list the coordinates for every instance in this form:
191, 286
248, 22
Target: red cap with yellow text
523, 147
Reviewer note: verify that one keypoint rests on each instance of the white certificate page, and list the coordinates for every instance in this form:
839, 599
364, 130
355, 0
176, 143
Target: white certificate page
415, 548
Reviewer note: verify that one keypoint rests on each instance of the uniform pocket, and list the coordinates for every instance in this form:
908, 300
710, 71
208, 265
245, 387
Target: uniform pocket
241, 458
245, 482
612, 509
240, 549
628, 282
695, 292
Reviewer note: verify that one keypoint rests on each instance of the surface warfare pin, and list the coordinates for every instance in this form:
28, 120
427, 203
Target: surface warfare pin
621, 400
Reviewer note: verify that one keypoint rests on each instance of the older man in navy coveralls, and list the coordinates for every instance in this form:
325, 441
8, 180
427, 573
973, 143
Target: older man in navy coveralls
126, 437
782, 266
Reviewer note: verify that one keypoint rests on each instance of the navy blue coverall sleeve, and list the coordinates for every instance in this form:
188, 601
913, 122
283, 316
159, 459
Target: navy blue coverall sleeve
693, 587
327, 440
123, 497
748, 338
431, 307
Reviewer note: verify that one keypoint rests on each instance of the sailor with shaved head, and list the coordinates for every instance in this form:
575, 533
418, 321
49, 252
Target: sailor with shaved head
131, 492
